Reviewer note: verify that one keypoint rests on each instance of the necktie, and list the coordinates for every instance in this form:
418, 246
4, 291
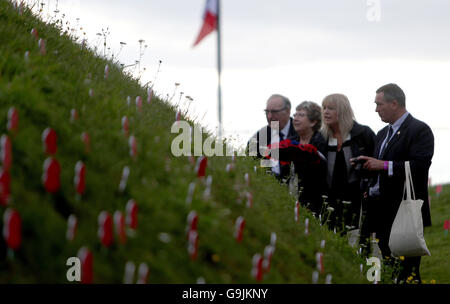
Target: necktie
388, 138
281, 136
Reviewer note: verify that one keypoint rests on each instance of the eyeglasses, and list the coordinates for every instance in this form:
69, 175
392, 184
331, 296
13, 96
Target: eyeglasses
299, 115
274, 111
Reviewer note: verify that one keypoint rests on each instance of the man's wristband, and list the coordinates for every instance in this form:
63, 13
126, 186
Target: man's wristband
386, 165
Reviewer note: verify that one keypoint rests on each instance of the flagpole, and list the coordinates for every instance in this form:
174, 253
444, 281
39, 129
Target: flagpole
219, 70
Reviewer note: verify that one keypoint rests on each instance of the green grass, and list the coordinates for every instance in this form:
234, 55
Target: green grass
45, 89
437, 266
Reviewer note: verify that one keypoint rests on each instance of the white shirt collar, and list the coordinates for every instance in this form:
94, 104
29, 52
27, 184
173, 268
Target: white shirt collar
396, 125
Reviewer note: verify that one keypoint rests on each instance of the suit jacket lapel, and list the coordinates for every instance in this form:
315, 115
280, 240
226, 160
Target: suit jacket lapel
380, 138
398, 134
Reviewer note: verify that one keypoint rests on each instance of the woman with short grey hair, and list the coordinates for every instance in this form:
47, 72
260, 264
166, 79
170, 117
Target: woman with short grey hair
311, 176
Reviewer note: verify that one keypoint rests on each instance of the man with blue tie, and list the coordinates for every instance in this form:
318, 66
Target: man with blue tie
404, 139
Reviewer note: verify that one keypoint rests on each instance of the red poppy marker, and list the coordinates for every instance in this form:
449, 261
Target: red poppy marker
42, 47
125, 125
87, 141
190, 193
5, 182
13, 120
247, 179
72, 225
139, 103
131, 218
149, 95
130, 269
106, 71
200, 168
306, 227
119, 224
50, 139
12, 228
257, 267
105, 228
438, 189
80, 177
124, 178
73, 115
178, 116
193, 244
192, 221
249, 200
207, 192
268, 253
315, 277
133, 146
273, 239
239, 229
5, 152
446, 226
319, 261
87, 263
143, 274
34, 33
229, 167
50, 178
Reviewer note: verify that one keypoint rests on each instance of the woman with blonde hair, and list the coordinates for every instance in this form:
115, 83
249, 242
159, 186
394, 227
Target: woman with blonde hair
346, 139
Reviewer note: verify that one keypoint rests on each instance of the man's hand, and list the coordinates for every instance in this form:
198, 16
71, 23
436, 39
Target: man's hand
372, 164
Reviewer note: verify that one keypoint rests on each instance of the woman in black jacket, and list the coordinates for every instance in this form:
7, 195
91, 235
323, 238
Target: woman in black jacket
346, 139
311, 175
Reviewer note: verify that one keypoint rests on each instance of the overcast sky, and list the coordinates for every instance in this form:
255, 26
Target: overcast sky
302, 49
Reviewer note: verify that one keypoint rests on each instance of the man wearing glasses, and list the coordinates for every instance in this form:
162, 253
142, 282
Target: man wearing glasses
280, 127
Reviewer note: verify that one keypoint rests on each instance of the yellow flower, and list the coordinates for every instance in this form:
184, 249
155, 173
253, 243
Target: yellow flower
409, 279
424, 281
215, 258
433, 281
402, 258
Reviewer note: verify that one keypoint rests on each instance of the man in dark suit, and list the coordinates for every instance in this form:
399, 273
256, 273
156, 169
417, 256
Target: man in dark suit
404, 139
278, 111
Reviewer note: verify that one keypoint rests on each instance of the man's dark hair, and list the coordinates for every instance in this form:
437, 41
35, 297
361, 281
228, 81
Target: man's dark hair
393, 92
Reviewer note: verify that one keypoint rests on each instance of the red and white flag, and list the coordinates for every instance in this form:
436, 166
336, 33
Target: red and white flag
209, 20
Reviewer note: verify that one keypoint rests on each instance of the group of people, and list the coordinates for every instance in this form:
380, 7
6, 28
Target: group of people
360, 175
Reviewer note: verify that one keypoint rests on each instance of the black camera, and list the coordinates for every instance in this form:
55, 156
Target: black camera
357, 163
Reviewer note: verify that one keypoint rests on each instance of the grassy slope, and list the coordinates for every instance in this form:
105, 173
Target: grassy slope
437, 266
44, 90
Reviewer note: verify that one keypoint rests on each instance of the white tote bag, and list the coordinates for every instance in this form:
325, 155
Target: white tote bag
406, 237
